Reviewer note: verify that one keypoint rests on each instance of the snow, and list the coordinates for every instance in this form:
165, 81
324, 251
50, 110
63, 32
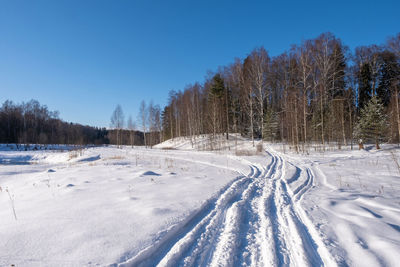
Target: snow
354, 202
174, 205
100, 207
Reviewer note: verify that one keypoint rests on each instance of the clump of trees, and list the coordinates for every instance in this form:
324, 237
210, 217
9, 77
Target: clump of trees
149, 120
316, 92
32, 123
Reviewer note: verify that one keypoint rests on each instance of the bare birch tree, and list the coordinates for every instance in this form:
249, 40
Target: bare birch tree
258, 70
143, 118
117, 122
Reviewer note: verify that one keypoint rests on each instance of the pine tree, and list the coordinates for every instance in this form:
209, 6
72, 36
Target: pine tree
372, 123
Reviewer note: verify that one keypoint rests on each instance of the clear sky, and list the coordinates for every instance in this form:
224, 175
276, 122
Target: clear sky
83, 58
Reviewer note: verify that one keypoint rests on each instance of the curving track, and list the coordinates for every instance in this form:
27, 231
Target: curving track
254, 221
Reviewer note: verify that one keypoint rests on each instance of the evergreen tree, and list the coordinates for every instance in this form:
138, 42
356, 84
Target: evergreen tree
167, 123
218, 87
388, 73
372, 123
364, 85
338, 80
216, 94
271, 126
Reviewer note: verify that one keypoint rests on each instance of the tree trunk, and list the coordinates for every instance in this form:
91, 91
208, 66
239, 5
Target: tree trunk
351, 127
322, 120
227, 113
171, 121
251, 121
296, 125
117, 132
305, 117
377, 144
397, 113
343, 130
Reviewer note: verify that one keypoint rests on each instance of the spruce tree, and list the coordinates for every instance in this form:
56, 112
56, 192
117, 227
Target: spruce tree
338, 79
372, 123
215, 98
364, 85
271, 125
218, 87
388, 73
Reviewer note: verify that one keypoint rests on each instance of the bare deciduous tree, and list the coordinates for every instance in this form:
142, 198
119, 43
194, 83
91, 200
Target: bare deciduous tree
117, 122
143, 118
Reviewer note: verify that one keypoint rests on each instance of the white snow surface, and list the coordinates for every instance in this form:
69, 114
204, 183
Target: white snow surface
174, 205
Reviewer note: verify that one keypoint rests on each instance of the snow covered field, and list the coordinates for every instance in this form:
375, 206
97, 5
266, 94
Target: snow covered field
143, 207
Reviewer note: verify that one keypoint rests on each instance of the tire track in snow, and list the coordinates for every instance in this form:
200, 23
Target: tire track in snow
306, 185
205, 242
196, 236
252, 234
297, 241
255, 221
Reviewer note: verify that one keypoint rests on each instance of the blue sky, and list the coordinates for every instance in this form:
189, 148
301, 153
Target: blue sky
83, 58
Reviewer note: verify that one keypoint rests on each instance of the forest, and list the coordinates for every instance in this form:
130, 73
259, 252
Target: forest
316, 92
32, 123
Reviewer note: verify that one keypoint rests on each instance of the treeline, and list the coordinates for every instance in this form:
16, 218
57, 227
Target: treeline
32, 123
318, 91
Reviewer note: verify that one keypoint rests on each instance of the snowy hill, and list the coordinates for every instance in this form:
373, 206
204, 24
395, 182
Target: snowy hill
208, 142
